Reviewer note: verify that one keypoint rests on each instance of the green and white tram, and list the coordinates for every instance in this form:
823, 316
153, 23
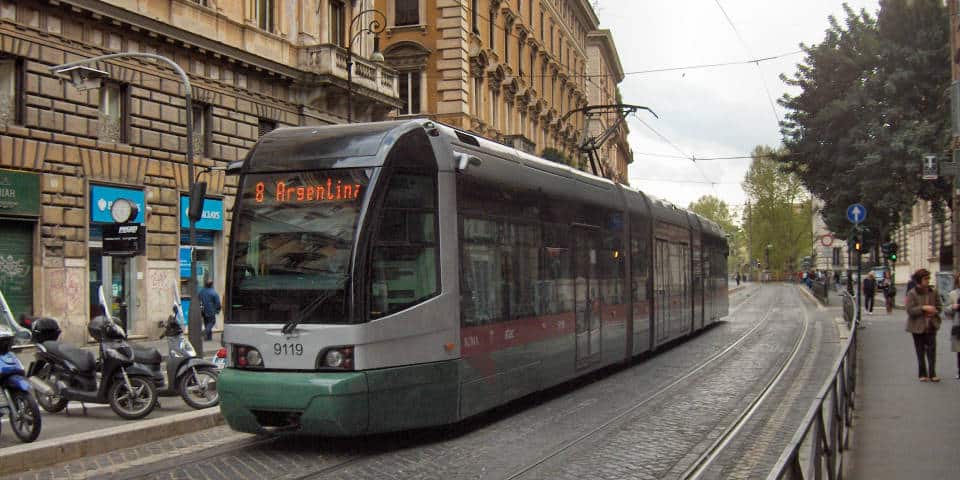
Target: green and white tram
398, 275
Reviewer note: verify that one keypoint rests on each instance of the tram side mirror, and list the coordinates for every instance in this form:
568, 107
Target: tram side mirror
233, 168
197, 193
464, 161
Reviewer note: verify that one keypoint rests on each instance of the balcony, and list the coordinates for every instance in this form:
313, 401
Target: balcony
371, 81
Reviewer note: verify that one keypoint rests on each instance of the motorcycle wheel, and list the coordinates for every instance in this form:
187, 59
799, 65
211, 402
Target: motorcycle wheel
50, 403
200, 390
134, 402
25, 416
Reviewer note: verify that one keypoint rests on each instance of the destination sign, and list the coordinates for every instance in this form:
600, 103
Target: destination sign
329, 190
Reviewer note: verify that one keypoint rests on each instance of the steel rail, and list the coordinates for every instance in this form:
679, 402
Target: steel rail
519, 473
825, 430
700, 465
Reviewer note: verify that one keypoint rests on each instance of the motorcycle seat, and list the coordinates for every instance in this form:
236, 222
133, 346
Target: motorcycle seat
83, 359
146, 355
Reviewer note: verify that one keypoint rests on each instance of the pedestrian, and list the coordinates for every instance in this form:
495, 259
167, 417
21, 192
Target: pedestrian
209, 308
954, 311
836, 277
889, 290
923, 321
738, 279
869, 291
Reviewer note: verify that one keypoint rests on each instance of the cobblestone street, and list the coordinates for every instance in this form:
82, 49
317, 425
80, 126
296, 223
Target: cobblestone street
651, 419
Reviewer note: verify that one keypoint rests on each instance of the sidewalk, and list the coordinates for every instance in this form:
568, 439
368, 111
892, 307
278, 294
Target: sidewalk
903, 428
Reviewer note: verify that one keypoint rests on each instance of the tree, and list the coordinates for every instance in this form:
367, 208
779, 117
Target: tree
779, 213
717, 211
872, 101
555, 155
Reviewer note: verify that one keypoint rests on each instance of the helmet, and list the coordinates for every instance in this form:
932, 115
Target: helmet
105, 328
44, 329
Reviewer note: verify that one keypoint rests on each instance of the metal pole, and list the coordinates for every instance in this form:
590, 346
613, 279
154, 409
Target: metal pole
350, 82
859, 284
195, 322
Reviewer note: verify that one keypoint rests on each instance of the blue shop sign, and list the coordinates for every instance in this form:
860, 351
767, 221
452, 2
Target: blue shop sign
212, 218
102, 198
184, 262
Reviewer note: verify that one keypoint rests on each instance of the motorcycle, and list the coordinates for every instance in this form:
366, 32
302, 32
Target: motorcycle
62, 372
16, 398
191, 377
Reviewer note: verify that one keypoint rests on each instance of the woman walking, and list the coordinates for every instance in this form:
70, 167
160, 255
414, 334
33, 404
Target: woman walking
923, 321
954, 312
889, 290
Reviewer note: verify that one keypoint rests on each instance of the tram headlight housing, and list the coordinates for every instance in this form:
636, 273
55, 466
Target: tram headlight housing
340, 358
245, 356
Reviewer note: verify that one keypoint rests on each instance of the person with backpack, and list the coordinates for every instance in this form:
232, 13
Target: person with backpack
209, 308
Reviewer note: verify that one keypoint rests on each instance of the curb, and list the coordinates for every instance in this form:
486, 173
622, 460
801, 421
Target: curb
20, 458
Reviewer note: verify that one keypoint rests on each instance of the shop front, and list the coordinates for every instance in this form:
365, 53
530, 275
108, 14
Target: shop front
115, 212
19, 211
207, 245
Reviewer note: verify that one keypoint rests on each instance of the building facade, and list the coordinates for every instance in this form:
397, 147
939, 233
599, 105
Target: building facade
68, 156
923, 243
830, 253
510, 70
604, 73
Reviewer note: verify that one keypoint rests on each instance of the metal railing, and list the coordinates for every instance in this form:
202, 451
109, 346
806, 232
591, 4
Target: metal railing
817, 448
821, 290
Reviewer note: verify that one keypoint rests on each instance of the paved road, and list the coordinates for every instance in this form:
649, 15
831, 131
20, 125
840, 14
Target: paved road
651, 420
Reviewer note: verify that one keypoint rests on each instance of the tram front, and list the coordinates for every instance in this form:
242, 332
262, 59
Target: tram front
340, 319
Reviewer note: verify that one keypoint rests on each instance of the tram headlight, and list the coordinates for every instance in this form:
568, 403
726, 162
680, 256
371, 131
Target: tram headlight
337, 357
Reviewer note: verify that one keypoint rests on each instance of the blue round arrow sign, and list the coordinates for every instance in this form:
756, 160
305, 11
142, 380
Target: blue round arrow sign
856, 213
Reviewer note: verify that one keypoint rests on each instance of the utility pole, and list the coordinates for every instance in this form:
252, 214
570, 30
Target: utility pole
955, 121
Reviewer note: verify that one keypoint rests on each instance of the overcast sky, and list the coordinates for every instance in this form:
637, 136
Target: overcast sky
722, 111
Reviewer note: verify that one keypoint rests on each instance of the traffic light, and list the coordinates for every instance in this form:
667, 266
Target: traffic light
857, 245
885, 248
892, 254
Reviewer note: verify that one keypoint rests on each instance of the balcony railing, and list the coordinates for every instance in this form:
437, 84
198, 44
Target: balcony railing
329, 59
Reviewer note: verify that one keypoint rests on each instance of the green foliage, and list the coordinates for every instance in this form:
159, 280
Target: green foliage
779, 213
719, 212
555, 155
873, 101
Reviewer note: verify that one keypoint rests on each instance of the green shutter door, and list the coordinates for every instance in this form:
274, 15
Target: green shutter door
16, 265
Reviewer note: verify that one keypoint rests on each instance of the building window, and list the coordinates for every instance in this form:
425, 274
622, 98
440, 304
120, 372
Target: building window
494, 103
475, 16
337, 20
507, 114
113, 120
493, 28
520, 57
837, 255
202, 3
410, 92
477, 95
201, 129
11, 91
407, 12
542, 32
506, 41
264, 10
265, 126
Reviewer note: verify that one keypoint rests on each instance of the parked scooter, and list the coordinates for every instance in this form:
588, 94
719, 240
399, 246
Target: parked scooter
188, 375
16, 399
62, 372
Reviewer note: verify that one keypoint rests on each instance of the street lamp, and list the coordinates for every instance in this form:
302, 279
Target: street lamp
85, 78
375, 27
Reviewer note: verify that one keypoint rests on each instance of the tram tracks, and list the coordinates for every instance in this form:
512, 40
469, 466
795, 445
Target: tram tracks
522, 472
342, 460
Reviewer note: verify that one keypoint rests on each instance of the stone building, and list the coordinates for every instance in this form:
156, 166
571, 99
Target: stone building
830, 252
509, 70
604, 73
923, 243
66, 156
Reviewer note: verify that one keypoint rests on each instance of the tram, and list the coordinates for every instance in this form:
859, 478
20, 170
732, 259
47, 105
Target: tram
397, 275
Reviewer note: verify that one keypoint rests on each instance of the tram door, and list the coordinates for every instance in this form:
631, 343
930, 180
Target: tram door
587, 294
661, 282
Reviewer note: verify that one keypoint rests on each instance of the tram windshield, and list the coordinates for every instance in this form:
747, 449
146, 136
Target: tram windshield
291, 245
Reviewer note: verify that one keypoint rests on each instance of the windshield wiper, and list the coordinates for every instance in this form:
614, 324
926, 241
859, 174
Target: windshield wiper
311, 307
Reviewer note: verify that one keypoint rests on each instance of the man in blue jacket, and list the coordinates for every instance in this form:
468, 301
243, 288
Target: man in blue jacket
209, 308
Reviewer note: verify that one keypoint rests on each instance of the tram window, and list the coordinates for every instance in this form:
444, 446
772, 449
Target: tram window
404, 266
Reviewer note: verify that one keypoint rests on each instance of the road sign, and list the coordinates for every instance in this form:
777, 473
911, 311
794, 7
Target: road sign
856, 213
826, 240
929, 166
